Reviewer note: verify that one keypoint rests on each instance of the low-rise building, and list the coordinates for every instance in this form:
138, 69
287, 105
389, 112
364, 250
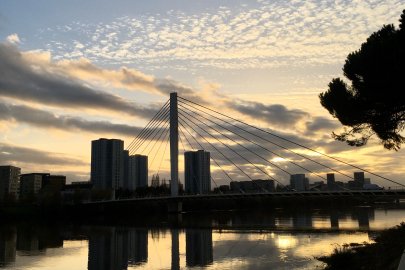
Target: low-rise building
31, 183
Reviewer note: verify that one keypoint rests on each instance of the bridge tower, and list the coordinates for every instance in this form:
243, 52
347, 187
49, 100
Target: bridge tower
174, 145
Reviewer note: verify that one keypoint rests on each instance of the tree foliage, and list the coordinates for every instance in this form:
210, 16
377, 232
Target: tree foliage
373, 103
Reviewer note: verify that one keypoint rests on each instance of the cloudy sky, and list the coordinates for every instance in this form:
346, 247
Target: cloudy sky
74, 71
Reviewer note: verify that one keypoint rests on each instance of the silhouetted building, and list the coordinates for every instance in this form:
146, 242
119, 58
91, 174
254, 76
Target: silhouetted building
9, 181
107, 163
54, 182
199, 247
31, 183
257, 185
138, 171
299, 182
126, 168
330, 181
197, 172
359, 179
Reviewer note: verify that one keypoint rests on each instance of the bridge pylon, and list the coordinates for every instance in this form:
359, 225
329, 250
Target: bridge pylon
174, 145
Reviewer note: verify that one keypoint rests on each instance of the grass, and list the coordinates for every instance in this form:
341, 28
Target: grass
384, 254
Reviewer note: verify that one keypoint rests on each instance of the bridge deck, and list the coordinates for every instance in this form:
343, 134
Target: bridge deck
399, 193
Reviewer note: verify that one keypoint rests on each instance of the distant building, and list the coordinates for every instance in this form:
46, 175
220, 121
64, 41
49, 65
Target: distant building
9, 181
257, 185
137, 171
31, 183
299, 182
330, 181
359, 178
197, 172
53, 182
107, 163
155, 180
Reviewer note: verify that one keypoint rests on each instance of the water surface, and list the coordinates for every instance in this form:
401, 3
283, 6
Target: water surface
277, 239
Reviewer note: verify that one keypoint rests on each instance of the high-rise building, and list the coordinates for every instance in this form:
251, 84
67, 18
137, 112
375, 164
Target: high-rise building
299, 182
126, 168
330, 181
107, 163
359, 178
9, 181
138, 171
197, 172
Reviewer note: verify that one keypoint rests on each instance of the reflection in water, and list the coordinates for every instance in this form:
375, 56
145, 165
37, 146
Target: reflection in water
277, 239
116, 248
198, 247
8, 239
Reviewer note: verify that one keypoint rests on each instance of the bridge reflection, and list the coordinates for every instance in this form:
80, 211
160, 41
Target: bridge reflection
191, 235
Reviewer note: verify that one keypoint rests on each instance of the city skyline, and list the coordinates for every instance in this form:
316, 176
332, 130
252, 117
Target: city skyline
74, 78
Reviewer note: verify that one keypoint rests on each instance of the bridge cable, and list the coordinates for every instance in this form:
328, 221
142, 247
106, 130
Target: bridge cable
181, 125
264, 148
252, 143
151, 131
271, 142
147, 125
239, 145
298, 144
164, 115
184, 150
164, 128
163, 156
258, 168
155, 128
161, 142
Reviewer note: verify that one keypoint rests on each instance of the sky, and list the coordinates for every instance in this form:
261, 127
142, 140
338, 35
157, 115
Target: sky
75, 71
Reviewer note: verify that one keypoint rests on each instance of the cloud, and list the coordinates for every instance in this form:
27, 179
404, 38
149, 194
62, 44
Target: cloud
28, 80
44, 119
276, 114
11, 154
259, 35
13, 39
321, 124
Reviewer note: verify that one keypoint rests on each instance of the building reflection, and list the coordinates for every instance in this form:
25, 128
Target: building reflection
199, 247
8, 240
138, 246
33, 240
117, 248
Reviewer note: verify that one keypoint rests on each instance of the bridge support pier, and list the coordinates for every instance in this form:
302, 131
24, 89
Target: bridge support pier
174, 207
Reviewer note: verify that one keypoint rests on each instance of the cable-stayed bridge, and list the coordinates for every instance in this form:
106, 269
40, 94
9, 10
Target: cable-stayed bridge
241, 151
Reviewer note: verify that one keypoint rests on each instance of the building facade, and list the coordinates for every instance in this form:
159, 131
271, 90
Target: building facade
31, 183
137, 171
9, 181
299, 182
197, 172
107, 163
330, 181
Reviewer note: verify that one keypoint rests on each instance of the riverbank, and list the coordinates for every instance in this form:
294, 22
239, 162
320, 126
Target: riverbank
385, 253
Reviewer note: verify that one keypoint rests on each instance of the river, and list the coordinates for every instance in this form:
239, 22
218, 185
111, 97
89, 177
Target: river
273, 239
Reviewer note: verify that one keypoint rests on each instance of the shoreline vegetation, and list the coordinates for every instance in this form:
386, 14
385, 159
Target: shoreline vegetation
385, 253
